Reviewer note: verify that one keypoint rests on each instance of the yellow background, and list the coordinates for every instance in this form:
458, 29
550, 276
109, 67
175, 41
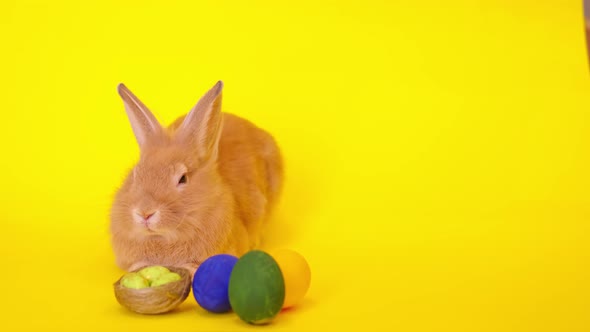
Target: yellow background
437, 154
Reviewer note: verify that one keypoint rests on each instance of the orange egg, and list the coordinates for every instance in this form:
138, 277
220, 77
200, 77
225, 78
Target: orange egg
296, 274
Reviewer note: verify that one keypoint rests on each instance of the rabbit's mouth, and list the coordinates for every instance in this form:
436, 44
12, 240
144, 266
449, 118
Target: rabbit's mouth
151, 230
147, 229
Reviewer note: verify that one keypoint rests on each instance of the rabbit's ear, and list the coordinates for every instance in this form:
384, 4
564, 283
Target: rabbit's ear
201, 128
145, 126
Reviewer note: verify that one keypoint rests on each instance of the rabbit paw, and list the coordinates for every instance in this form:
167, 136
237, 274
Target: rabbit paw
137, 266
191, 267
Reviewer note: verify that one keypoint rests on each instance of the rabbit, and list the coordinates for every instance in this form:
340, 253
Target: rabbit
204, 185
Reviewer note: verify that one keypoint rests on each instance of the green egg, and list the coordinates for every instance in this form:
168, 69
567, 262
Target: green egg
256, 288
165, 278
135, 281
152, 273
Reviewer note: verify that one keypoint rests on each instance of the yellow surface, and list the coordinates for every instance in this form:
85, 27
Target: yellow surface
437, 154
296, 275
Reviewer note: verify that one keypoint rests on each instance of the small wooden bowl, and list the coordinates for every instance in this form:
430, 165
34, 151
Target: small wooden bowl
156, 300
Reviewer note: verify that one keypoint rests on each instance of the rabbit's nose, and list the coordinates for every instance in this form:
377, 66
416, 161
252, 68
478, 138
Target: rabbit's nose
146, 218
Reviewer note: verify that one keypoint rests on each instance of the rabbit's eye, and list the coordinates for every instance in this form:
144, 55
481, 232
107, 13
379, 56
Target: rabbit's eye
182, 179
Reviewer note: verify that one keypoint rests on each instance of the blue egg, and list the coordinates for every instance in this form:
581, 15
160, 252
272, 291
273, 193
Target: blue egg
211, 282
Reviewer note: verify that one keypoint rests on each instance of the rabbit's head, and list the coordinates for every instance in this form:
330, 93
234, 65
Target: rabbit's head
175, 183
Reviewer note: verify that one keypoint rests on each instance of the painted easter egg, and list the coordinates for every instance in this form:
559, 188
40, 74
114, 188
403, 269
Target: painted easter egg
211, 283
134, 281
256, 288
165, 279
296, 274
152, 273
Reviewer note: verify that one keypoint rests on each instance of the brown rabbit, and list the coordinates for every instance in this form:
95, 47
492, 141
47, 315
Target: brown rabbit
203, 186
